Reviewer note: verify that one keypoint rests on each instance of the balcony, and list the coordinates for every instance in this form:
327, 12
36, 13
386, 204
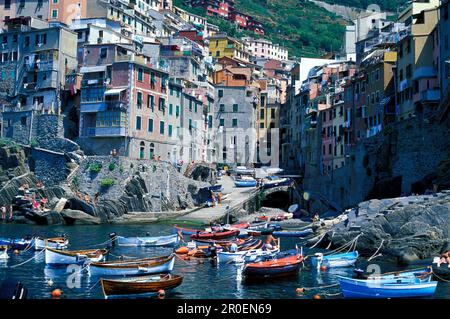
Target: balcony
94, 107
104, 131
430, 96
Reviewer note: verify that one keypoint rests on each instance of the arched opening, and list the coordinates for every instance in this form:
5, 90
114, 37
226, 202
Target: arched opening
280, 199
142, 150
152, 151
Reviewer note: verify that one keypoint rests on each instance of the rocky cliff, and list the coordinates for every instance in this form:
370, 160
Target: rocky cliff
404, 229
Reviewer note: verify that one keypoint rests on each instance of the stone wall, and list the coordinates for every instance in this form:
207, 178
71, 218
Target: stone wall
387, 165
48, 166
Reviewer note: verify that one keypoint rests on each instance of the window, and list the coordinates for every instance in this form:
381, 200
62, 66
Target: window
141, 150
190, 124
27, 42
222, 122
150, 125
7, 4
177, 111
138, 123
235, 108
170, 109
139, 100
195, 107
100, 34
220, 93
140, 75
161, 127
162, 104
152, 80
170, 131
235, 123
272, 113
210, 120
54, 14
103, 53
408, 71
151, 102
222, 108
261, 114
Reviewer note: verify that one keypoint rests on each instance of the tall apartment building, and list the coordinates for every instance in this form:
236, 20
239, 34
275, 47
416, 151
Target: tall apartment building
262, 48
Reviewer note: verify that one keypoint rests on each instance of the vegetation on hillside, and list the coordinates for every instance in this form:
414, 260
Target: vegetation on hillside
388, 5
301, 26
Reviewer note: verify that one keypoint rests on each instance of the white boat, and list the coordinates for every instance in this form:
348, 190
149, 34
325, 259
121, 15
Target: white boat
243, 256
4, 254
57, 243
135, 267
335, 260
55, 257
170, 240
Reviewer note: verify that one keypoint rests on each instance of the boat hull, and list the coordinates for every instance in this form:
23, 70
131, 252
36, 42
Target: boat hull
144, 268
166, 241
59, 258
216, 235
335, 261
239, 183
40, 244
378, 289
139, 286
301, 233
274, 268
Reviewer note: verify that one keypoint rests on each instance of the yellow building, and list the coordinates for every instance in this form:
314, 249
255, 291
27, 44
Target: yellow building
223, 46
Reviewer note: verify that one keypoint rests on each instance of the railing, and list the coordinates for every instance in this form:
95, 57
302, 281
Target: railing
104, 131
430, 96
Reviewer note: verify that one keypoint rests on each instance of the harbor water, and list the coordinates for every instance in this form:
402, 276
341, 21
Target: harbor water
201, 278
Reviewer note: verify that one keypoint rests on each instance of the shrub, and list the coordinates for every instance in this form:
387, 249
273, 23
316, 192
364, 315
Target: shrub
95, 167
107, 182
34, 143
111, 166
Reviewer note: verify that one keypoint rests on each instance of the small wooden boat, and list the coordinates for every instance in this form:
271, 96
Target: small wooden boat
335, 260
240, 225
185, 231
16, 243
284, 263
57, 243
406, 284
215, 235
140, 285
293, 233
134, 267
245, 182
55, 257
275, 181
170, 240
244, 255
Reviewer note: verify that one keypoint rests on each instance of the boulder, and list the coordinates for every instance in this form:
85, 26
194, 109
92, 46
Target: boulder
78, 217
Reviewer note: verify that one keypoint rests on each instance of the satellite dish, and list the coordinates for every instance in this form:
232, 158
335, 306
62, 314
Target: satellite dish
293, 208
374, 8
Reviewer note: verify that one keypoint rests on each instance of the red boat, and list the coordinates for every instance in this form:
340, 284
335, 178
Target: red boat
282, 265
216, 235
240, 226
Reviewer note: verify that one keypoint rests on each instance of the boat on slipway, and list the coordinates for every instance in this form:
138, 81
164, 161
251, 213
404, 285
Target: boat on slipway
293, 233
140, 285
160, 241
245, 181
56, 257
133, 267
404, 284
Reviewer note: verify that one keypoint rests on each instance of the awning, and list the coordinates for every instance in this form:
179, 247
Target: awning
114, 91
89, 69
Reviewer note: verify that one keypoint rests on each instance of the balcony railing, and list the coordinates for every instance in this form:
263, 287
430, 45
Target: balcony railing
116, 131
430, 96
94, 107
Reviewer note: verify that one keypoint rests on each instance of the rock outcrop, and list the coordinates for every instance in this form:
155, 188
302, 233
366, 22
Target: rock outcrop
407, 228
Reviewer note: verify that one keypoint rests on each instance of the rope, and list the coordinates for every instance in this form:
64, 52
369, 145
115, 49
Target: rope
94, 285
30, 245
323, 236
331, 240
101, 244
28, 260
320, 287
438, 277
373, 256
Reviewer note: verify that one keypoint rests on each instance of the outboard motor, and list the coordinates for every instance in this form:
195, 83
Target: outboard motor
10, 289
359, 274
113, 237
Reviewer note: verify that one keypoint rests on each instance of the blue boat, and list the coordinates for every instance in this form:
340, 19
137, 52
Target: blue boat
335, 260
408, 284
275, 181
293, 233
15, 243
245, 182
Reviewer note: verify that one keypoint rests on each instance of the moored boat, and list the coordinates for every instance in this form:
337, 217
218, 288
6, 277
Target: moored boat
293, 233
134, 267
283, 264
170, 240
185, 231
275, 181
57, 243
244, 255
55, 257
216, 235
16, 243
407, 284
245, 182
4, 254
140, 285
335, 260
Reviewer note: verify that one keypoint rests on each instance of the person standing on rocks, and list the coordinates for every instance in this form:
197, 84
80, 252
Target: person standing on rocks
97, 195
10, 210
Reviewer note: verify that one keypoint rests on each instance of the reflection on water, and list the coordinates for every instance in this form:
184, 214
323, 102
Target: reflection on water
201, 278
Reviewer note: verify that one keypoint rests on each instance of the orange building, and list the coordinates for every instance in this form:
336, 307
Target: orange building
67, 10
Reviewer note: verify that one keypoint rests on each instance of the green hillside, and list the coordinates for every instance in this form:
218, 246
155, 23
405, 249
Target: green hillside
305, 29
387, 5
